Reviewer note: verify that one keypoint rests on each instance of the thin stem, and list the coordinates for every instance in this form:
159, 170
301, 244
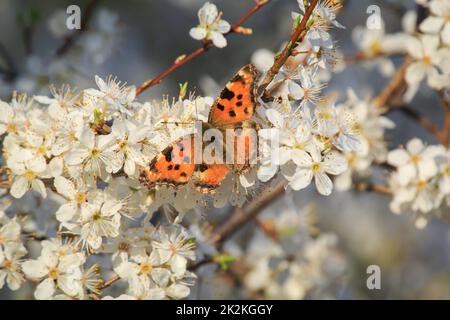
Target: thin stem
111, 281
240, 216
393, 87
207, 45
445, 132
421, 120
368, 187
297, 36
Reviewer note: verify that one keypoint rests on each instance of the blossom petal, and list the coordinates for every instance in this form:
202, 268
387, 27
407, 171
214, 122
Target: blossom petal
39, 187
218, 39
208, 13
45, 290
301, 179
415, 72
198, 33
19, 187
66, 212
432, 24
323, 183
35, 269
398, 157
223, 26
266, 172
334, 163
275, 118
301, 158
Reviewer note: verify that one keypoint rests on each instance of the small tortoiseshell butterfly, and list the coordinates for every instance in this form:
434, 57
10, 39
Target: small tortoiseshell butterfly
233, 109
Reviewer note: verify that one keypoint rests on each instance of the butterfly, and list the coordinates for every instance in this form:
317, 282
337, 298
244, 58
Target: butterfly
233, 109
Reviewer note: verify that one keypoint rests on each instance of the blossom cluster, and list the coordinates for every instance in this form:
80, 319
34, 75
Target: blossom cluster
421, 180
12, 252
81, 153
298, 262
426, 44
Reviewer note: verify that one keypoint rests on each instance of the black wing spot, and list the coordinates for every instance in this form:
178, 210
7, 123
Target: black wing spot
239, 103
246, 110
232, 113
227, 94
169, 167
177, 167
183, 174
239, 96
201, 167
220, 107
168, 153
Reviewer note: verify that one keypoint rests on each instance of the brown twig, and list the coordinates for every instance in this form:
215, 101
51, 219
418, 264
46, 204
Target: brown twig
240, 216
421, 120
393, 87
268, 228
207, 45
368, 187
69, 41
109, 282
445, 131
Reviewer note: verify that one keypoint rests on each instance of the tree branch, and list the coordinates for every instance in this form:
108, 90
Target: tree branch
240, 216
394, 86
186, 58
445, 131
421, 120
297, 36
109, 282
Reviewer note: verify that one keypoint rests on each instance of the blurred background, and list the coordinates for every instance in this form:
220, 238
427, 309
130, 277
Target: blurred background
137, 39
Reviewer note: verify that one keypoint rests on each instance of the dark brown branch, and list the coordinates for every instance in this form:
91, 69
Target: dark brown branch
445, 132
421, 120
235, 28
395, 85
297, 36
109, 282
240, 216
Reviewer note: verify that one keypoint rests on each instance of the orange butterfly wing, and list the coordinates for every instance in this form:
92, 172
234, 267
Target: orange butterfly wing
173, 166
208, 177
237, 101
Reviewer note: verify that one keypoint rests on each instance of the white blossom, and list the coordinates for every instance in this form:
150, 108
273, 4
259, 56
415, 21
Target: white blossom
211, 26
